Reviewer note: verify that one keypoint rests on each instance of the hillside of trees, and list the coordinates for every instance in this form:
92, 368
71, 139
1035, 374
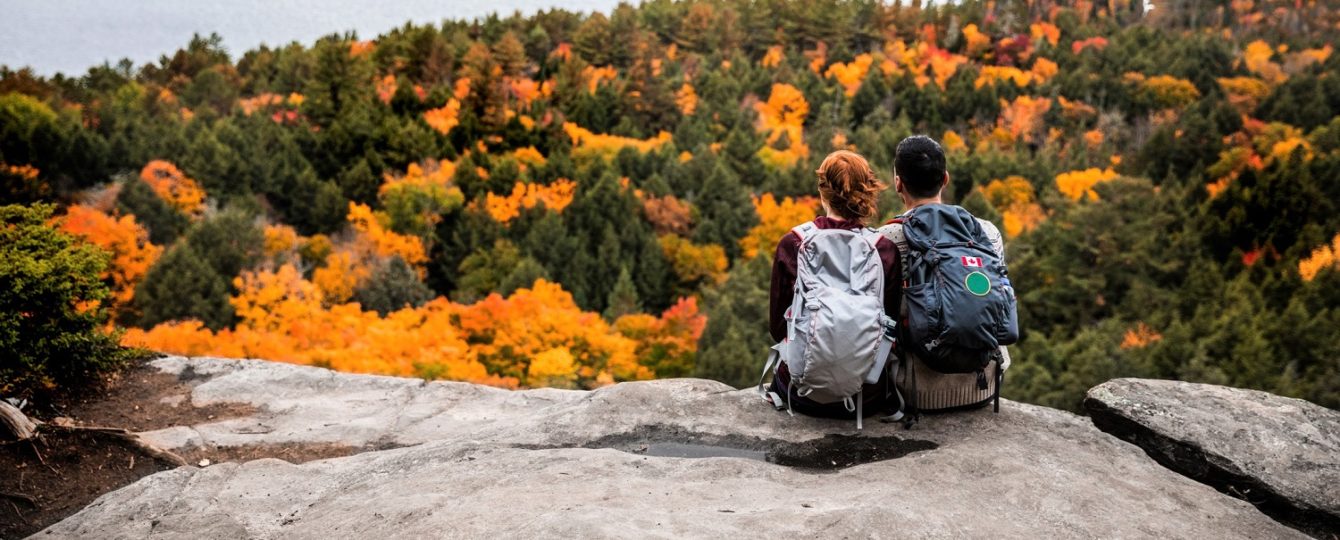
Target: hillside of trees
572, 200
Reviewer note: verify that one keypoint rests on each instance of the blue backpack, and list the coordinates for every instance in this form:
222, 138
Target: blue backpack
958, 305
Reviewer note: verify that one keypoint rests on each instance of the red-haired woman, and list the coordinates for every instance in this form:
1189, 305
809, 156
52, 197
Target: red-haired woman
849, 192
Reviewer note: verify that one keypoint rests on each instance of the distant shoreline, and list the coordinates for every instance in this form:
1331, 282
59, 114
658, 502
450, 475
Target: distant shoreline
71, 36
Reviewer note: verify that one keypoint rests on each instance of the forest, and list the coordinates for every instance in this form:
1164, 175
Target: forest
573, 200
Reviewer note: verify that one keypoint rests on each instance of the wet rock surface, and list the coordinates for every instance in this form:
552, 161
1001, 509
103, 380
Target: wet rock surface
482, 462
830, 452
1281, 454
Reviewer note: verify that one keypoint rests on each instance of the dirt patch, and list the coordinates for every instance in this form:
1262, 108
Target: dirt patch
141, 398
49, 478
293, 452
54, 475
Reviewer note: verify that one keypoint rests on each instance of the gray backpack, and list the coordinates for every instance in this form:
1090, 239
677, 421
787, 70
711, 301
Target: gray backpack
838, 336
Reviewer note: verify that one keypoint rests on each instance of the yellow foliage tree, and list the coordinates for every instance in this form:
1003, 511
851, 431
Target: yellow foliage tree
687, 99
1169, 92
1326, 256
692, 262
585, 142
1078, 184
1257, 59
993, 74
555, 197
555, 367
953, 142
1018, 206
775, 219
850, 74
782, 117
1244, 93
509, 333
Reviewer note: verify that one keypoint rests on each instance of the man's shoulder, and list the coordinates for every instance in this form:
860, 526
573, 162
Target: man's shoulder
989, 228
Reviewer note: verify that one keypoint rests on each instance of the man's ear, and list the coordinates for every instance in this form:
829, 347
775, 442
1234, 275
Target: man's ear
944, 184
897, 184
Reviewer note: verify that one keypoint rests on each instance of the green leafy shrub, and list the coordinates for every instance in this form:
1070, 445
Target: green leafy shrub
50, 337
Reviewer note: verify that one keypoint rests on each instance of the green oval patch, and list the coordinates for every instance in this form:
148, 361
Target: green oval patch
977, 283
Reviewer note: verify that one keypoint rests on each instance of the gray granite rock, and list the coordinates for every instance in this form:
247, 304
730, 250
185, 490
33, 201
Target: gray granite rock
548, 463
1279, 453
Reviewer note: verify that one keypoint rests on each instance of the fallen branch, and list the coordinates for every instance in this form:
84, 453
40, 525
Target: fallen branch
16, 424
125, 436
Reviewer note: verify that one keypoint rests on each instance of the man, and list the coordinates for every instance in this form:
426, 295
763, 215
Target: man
920, 177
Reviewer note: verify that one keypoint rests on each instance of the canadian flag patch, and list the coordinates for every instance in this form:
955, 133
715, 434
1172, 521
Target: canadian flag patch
972, 262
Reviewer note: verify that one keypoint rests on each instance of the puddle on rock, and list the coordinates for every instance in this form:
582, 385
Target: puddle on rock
828, 453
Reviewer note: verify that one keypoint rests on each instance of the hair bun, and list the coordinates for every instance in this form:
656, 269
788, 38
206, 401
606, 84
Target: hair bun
849, 186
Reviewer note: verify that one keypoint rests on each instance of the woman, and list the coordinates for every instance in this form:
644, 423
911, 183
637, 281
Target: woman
849, 193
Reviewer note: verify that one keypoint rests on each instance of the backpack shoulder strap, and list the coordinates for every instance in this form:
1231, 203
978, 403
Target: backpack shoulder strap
893, 230
805, 230
993, 233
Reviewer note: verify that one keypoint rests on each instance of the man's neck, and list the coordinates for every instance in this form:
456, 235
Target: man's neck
923, 202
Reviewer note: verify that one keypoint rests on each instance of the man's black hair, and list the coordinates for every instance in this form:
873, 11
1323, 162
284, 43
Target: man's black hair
920, 163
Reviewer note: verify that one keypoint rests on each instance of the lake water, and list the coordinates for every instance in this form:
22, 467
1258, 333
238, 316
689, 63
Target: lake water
72, 35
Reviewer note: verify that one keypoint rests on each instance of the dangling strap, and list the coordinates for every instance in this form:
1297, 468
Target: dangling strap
1000, 379
893, 383
915, 413
774, 357
886, 343
860, 410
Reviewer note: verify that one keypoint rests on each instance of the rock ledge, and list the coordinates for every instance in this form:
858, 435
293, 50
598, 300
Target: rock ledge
482, 463
1281, 454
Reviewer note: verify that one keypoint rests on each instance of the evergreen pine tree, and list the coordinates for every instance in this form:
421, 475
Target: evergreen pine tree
735, 343
181, 286
622, 298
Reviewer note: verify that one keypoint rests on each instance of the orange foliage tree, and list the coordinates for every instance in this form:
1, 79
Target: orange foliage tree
974, 41
1022, 118
667, 345
536, 336
174, 187
508, 333
444, 118
128, 244
668, 214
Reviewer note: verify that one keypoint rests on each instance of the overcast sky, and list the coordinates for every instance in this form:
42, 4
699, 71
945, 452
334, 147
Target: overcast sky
72, 35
